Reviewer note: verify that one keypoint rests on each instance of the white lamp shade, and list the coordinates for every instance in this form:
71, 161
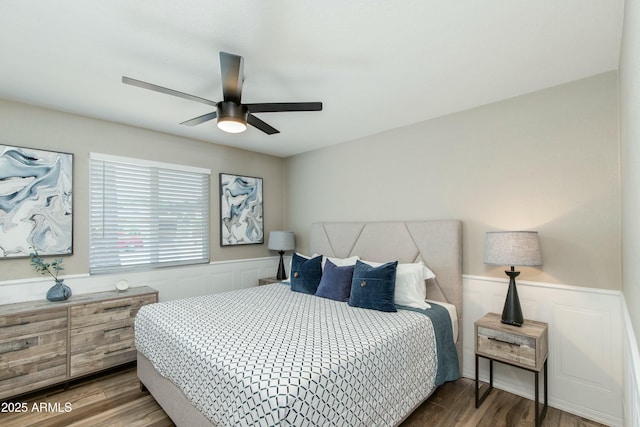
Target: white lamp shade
512, 248
281, 241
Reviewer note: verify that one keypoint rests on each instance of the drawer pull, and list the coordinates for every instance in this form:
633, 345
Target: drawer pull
10, 376
118, 307
13, 325
17, 345
508, 342
502, 341
116, 329
117, 350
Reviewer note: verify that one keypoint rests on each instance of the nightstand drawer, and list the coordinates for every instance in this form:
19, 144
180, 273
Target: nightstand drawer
515, 348
524, 346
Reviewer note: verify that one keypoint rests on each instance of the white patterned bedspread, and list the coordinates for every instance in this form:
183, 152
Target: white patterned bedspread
270, 356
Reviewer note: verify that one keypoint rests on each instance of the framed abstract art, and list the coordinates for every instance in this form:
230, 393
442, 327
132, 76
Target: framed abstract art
36, 202
241, 215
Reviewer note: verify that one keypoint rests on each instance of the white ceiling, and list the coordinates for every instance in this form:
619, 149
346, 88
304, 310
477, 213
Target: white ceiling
376, 65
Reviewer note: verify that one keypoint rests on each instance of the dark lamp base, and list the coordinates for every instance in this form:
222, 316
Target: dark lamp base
512, 312
282, 274
511, 322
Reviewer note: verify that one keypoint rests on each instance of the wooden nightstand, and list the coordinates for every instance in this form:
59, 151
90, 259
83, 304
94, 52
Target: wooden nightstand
268, 281
524, 347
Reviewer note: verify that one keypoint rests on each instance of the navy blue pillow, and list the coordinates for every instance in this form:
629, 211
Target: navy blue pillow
305, 274
374, 287
336, 282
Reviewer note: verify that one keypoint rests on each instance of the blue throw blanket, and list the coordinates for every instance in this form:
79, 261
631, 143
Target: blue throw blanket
448, 368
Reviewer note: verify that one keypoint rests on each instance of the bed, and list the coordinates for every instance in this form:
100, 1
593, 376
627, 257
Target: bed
270, 356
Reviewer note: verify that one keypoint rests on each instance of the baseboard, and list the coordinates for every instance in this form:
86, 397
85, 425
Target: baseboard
585, 344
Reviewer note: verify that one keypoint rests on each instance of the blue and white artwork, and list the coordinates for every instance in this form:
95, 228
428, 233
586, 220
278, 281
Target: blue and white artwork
36, 189
241, 219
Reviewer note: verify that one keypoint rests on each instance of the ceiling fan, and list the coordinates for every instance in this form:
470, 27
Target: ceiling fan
233, 116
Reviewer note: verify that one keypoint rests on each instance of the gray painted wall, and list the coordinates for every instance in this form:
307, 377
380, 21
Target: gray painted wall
33, 127
630, 159
546, 161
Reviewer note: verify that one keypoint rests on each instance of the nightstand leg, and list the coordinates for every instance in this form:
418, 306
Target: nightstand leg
541, 414
480, 399
491, 373
537, 400
545, 386
544, 408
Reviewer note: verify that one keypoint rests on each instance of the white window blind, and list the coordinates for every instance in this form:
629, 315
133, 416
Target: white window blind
147, 214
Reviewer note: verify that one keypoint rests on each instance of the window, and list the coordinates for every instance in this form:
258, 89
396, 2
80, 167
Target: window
147, 214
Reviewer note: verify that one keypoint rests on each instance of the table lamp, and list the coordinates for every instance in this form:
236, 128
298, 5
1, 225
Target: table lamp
513, 248
281, 241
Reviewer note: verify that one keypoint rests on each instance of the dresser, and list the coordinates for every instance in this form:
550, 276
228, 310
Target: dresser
43, 343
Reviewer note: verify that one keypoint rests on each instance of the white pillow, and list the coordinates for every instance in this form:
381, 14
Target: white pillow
411, 291
340, 262
410, 287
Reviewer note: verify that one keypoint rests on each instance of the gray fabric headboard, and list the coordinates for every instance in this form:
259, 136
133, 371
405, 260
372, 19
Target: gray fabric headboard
438, 243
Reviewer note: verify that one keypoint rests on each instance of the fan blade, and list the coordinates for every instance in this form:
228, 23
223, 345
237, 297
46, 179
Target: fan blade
232, 69
264, 127
274, 107
150, 86
200, 119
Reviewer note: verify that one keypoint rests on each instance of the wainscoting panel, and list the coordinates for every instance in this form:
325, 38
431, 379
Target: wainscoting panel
631, 361
581, 350
171, 283
585, 344
589, 340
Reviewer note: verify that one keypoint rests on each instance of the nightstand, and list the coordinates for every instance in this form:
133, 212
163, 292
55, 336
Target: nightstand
524, 347
268, 281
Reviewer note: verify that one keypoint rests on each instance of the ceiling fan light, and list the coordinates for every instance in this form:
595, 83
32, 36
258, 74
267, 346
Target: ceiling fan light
232, 117
231, 126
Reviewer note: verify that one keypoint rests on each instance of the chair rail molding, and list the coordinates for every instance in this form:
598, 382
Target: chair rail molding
170, 282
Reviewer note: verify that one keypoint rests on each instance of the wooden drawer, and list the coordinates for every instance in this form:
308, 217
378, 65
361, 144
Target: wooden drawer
44, 343
33, 350
102, 333
513, 348
104, 312
524, 346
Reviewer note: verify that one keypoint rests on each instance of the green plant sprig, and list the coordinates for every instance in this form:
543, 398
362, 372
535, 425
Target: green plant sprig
43, 267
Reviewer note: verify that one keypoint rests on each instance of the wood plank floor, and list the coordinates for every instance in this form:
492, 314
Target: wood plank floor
453, 404
115, 399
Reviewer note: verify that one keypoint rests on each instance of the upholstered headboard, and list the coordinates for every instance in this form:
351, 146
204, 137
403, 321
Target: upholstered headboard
437, 243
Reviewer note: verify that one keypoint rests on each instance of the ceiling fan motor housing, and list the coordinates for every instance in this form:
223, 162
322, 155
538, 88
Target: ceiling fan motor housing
228, 111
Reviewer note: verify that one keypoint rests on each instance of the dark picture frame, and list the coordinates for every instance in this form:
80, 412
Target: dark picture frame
241, 210
36, 202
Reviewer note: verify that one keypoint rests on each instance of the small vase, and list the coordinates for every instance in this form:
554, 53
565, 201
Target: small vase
59, 291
